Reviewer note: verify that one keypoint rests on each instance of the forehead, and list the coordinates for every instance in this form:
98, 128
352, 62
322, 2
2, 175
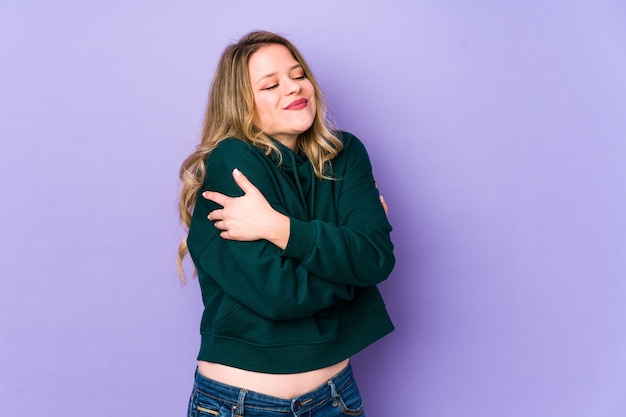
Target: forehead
269, 59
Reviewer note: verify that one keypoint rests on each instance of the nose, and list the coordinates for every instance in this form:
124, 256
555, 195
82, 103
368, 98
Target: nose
292, 86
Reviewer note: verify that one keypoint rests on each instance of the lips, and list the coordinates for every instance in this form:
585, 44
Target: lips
297, 104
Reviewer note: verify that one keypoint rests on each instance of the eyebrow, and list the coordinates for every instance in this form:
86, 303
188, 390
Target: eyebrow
273, 73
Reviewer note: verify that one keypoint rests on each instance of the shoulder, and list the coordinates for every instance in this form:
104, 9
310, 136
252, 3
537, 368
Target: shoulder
233, 149
345, 137
352, 145
234, 144
231, 153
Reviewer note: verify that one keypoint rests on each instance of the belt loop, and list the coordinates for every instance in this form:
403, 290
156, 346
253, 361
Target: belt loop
238, 410
333, 390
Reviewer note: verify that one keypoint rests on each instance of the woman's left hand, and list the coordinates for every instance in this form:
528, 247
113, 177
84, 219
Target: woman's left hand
249, 217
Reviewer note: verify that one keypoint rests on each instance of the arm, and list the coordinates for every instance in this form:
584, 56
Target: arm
355, 251
253, 273
249, 217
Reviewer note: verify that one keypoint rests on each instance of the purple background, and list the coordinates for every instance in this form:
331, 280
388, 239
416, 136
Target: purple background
497, 131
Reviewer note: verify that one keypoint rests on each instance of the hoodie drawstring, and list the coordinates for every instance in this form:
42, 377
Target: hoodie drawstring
311, 205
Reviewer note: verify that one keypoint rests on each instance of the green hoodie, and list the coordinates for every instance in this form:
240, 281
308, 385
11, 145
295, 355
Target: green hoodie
313, 304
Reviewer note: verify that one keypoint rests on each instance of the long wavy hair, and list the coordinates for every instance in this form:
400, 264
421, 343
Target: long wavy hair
229, 113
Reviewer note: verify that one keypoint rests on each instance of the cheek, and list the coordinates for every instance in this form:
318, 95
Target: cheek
312, 106
312, 100
262, 116
309, 86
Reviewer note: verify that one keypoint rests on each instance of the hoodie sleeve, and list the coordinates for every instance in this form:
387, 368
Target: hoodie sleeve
254, 273
358, 250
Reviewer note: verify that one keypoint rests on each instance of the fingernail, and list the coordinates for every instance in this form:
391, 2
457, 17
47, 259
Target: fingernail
236, 172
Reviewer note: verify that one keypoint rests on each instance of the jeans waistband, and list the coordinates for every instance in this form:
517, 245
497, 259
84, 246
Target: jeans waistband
243, 398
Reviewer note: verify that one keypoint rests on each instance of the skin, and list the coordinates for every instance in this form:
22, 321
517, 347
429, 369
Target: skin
277, 82
249, 217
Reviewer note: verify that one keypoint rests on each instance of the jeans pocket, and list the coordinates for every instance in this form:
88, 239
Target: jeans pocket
201, 405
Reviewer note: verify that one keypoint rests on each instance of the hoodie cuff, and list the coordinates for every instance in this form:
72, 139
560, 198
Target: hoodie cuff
301, 239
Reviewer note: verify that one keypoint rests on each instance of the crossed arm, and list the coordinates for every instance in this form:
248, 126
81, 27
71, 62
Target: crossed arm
251, 217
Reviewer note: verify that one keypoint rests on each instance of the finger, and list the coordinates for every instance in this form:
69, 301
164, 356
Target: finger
216, 215
226, 235
243, 182
216, 197
384, 203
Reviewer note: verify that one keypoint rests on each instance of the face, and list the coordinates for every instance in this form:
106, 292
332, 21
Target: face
284, 99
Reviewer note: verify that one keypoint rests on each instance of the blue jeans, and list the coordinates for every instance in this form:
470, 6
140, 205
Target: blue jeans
337, 397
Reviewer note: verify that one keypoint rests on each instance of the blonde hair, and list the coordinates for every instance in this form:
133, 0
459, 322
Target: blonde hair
229, 113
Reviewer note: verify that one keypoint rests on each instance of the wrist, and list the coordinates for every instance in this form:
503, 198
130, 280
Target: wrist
279, 229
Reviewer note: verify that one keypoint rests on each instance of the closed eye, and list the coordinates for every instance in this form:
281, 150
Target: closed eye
273, 86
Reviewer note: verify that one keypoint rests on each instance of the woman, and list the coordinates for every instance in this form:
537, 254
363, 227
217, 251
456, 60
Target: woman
289, 240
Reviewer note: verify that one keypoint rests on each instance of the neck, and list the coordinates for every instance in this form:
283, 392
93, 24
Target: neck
290, 142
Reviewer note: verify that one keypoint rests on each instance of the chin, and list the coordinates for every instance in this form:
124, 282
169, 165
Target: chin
305, 126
